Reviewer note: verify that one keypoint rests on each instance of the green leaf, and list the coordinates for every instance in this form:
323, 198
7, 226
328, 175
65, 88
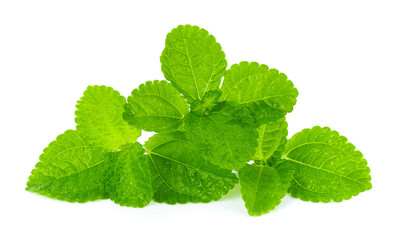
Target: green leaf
156, 106
266, 92
182, 169
272, 138
99, 118
193, 61
226, 136
327, 166
127, 176
263, 187
165, 194
69, 169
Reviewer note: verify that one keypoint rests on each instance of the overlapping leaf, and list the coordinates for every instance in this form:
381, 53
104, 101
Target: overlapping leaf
156, 106
271, 141
263, 187
69, 169
99, 118
193, 61
179, 166
327, 166
127, 176
163, 193
266, 92
225, 136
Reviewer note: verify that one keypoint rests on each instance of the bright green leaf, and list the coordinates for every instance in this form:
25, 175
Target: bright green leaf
165, 194
183, 170
193, 61
263, 187
69, 169
156, 106
127, 176
266, 92
327, 166
99, 118
225, 136
271, 141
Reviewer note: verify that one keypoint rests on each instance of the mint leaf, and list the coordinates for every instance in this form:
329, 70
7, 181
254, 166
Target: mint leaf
182, 169
99, 118
327, 166
193, 61
127, 176
69, 169
266, 92
156, 106
271, 141
263, 187
226, 136
163, 193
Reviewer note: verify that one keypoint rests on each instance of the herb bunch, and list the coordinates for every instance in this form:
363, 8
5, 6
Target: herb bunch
204, 135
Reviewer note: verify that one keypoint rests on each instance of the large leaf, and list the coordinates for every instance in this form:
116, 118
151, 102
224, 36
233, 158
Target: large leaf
271, 141
263, 187
69, 169
225, 136
193, 61
127, 176
266, 92
156, 106
165, 194
178, 165
99, 118
327, 166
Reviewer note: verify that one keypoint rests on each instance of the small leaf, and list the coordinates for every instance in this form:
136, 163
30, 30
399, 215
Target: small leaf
127, 176
69, 169
327, 166
99, 118
263, 187
193, 61
156, 106
271, 141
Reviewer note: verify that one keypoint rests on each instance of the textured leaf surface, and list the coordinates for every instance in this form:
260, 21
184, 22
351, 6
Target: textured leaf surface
183, 170
327, 166
226, 136
156, 106
266, 92
99, 118
127, 175
272, 138
69, 169
165, 194
193, 61
263, 187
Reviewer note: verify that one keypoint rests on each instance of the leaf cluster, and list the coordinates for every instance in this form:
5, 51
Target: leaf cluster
214, 128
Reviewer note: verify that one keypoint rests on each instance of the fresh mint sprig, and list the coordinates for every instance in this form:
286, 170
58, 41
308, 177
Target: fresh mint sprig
204, 134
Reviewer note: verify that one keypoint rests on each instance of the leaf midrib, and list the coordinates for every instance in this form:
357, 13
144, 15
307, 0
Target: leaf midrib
256, 191
188, 166
65, 176
323, 169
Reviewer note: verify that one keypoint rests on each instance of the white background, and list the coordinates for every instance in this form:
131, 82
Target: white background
342, 56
